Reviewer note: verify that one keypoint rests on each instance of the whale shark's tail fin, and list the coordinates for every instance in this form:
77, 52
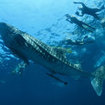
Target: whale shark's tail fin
97, 81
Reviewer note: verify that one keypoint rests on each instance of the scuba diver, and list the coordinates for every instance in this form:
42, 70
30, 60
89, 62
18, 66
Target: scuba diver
73, 19
90, 11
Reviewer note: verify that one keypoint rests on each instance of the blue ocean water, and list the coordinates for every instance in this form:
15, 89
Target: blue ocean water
45, 20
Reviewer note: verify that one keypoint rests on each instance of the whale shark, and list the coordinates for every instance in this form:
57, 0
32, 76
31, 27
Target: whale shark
27, 47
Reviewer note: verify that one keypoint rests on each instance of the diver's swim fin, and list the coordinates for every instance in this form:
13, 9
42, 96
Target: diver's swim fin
56, 78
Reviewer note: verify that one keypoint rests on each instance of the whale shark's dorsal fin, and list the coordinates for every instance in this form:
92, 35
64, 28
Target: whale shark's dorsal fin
61, 51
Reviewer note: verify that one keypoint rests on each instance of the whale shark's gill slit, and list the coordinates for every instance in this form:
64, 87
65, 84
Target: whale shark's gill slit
20, 40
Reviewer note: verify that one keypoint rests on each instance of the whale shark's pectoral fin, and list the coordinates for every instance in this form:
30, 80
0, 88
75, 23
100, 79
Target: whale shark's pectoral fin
56, 78
20, 68
19, 55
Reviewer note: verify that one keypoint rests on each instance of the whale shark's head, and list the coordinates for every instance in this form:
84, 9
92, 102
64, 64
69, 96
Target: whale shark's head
3, 26
4, 29
6, 32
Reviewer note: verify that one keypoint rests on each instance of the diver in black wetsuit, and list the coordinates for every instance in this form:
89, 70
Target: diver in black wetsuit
73, 19
90, 11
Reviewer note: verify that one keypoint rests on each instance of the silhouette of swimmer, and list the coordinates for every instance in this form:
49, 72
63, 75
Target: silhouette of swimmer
90, 11
73, 19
